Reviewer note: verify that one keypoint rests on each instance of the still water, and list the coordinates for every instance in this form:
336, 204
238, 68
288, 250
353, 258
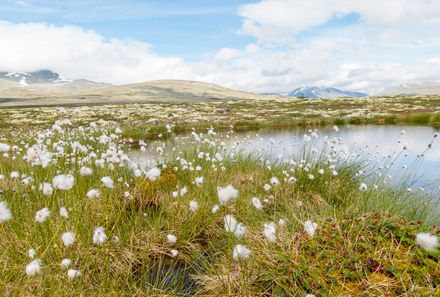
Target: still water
412, 153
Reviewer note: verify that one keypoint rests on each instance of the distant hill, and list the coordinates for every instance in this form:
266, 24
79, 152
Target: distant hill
426, 88
49, 88
320, 92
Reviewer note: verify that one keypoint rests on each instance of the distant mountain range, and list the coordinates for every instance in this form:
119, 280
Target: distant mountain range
46, 87
413, 89
320, 92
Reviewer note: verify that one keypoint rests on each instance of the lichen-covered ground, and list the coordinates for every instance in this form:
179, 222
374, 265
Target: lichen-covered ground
242, 113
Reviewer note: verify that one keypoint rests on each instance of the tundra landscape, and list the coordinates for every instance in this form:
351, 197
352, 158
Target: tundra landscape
139, 156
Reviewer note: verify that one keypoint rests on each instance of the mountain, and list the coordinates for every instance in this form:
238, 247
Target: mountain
414, 89
42, 82
49, 88
320, 92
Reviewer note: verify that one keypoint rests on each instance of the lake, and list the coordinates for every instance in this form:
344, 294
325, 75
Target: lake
409, 154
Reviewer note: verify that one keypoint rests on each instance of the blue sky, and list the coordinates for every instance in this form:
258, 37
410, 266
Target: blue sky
189, 29
255, 45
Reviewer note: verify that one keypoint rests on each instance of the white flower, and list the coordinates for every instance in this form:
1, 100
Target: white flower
311, 176
174, 253
68, 238
32, 253
427, 241
42, 215
241, 252
321, 171
183, 191
193, 206
274, 181
311, 295
72, 274
153, 173
99, 236
5, 213
175, 194
93, 193
47, 189
267, 187
199, 180
269, 231
84, 171
65, 263
291, 180
240, 230
257, 203
4, 147
107, 181
227, 193
363, 187
310, 227
230, 223
171, 239
15, 175
282, 222
215, 208
34, 267
63, 212
63, 181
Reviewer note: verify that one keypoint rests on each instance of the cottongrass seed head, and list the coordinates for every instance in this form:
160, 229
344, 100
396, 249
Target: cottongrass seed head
241, 252
99, 236
5, 213
34, 267
427, 241
227, 193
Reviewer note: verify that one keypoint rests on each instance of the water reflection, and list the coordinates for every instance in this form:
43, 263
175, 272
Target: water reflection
403, 147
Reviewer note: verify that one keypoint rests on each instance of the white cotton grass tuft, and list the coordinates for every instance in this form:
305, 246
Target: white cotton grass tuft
267, 187
310, 227
257, 203
47, 189
34, 267
5, 213
226, 193
68, 238
153, 173
73, 273
241, 252
93, 194
65, 263
63, 182
32, 253
174, 253
85, 171
171, 239
107, 182
199, 181
99, 236
42, 215
232, 225
63, 212
363, 187
427, 241
215, 209
274, 181
269, 231
4, 147
193, 206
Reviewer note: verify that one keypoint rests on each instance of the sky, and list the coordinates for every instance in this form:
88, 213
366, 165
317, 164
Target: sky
270, 46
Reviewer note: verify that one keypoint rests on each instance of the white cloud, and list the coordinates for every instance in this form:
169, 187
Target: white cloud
281, 20
395, 41
77, 53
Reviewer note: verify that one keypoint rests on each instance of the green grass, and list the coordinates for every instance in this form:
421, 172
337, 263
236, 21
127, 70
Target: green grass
364, 245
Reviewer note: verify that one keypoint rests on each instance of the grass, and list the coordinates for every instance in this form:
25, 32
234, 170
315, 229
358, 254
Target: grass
364, 244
